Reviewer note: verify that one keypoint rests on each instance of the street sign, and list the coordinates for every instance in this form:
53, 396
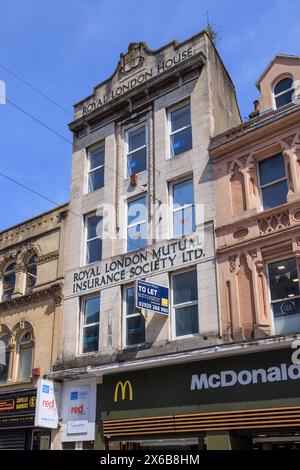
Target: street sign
152, 297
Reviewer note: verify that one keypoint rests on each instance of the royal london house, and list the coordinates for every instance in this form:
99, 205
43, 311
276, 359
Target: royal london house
142, 208
31, 289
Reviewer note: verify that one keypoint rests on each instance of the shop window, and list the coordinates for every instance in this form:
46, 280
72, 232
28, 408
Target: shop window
9, 281
180, 130
4, 358
96, 160
31, 272
285, 296
137, 224
134, 322
185, 304
25, 353
136, 141
283, 92
93, 239
183, 208
90, 324
273, 181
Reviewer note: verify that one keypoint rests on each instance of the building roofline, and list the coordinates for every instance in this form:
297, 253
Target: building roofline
288, 56
42, 214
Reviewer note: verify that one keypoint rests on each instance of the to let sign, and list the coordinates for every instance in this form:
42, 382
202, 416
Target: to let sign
152, 297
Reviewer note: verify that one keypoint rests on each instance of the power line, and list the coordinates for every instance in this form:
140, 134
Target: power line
35, 89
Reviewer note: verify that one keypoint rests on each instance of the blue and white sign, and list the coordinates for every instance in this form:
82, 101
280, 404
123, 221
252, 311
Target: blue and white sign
47, 401
152, 297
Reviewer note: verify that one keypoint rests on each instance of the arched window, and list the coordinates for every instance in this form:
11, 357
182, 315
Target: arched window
4, 358
25, 350
9, 280
283, 92
31, 270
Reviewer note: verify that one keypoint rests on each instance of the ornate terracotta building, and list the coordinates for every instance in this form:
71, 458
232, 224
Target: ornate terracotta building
31, 279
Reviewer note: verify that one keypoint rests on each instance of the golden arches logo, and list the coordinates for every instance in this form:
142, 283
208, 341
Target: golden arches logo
123, 386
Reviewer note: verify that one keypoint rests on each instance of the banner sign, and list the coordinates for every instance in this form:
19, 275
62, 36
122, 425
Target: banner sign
152, 297
222, 383
46, 404
17, 408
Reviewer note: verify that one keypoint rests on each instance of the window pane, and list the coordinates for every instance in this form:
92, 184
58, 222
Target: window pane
181, 141
183, 193
97, 158
271, 169
137, 161
274, 195
284, 84
8, 285
96, 179
94, 251
91, 310
137, 237
183, 221
25, 363
135, 330
180, 118
137, 211
187, 320
4, 359
283, 278
185, 287
284, 99
137, 138
90, 339
94, 227
130, 301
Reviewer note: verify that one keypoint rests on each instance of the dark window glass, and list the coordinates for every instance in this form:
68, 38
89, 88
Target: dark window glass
94, 227
137, 161
97, 158
94, 251
31, 272
271, 169
4, 358
92, 310
137, 225
9, 281
284, 99
283, 85
135, 330
96, 179
137, 138
185, 287
180, 118
187, 320
130, 301
181, 141
274, 195
283, 277
90, 338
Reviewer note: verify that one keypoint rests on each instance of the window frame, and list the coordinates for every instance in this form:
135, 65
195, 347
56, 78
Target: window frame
283, 92
145, 221
267, 274
8, 273
172, 211
185, 304
27, 274
261, 187
9, 352
89, 151
83, 301
175, 107
127, 153
125, 316
21, 347
86, 240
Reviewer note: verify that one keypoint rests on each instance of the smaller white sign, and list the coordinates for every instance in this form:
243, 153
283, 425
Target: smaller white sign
78, 427
46, 415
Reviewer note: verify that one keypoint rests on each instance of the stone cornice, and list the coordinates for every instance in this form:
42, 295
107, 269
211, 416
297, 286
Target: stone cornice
55, 291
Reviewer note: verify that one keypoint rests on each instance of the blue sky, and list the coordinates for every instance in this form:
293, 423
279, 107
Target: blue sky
65, 47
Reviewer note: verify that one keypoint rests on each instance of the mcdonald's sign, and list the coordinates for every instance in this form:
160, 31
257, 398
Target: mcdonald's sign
123, 386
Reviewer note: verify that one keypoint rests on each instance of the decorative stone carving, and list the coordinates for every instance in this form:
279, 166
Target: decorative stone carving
54, 291
288, 141
253, 253
132, 59
274, 222
48, 257
232, 263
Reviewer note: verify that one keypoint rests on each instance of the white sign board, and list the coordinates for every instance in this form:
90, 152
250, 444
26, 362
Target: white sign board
46, 415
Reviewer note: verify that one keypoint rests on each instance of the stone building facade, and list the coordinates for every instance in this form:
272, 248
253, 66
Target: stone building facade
142, 207
257, 193
31, 279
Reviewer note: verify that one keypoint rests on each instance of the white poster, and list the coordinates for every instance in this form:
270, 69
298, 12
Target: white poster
46, 415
